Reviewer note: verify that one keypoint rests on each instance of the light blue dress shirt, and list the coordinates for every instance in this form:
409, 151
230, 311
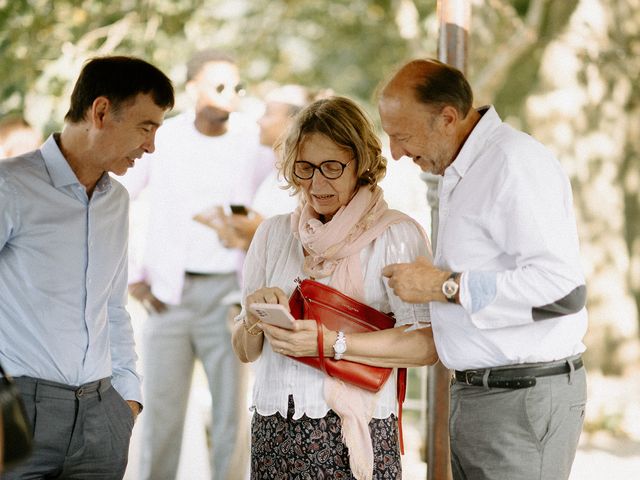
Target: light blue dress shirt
63, 275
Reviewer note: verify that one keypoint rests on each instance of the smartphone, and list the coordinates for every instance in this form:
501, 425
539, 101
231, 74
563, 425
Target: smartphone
273, 314
239, 209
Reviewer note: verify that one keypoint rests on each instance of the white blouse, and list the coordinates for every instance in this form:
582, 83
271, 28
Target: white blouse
275, 259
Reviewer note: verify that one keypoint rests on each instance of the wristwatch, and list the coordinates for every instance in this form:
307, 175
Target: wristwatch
450, 287
340, 347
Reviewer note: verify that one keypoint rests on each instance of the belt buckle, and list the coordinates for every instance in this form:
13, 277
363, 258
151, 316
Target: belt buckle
467, 373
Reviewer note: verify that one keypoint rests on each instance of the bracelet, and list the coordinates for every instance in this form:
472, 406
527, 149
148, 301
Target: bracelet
249, 329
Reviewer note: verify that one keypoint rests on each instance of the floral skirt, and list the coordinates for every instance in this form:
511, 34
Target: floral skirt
312, 448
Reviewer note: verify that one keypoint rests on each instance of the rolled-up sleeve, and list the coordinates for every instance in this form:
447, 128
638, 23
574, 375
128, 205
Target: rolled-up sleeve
532, 223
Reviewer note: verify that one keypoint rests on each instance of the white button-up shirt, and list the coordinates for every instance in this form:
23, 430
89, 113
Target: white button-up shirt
187, 174
506, 221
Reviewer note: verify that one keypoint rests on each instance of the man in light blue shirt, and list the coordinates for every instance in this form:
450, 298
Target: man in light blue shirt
65, 334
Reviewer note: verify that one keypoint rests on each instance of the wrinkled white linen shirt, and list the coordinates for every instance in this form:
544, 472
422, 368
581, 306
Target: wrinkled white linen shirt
507, 222
275, 259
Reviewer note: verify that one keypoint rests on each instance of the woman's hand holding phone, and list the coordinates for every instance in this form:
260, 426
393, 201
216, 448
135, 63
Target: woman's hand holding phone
273, 314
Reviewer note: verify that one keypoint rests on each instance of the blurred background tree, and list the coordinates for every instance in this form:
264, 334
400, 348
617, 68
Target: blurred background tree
564, 71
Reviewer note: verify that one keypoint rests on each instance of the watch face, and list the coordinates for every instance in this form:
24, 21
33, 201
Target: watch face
340, 346
450, 288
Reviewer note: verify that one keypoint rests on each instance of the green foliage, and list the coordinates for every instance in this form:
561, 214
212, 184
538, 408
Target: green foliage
607, 422
345, 45
509, 97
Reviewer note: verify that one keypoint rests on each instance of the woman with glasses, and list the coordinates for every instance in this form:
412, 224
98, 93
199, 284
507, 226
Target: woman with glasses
342, 235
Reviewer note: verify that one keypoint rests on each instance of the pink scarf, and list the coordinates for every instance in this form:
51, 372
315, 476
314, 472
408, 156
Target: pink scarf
334, 248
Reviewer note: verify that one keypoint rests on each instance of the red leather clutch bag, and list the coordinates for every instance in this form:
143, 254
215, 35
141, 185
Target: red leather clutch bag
329, 307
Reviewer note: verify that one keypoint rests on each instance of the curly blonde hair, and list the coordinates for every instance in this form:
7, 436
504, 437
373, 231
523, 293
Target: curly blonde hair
343, 122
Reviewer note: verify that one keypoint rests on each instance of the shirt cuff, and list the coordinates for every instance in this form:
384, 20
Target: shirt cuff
477, 290
418, 316
128, 387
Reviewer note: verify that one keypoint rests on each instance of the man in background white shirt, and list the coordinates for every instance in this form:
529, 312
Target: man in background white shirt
281, 105
506, 289
205, 158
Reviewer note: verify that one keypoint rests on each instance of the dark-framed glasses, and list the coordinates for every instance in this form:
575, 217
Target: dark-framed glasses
238, 89
330, 169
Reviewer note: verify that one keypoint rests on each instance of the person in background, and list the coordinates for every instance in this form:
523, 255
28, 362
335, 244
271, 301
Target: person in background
17, 137
235, 230
65, 335
307, 424
506, 288
205, 158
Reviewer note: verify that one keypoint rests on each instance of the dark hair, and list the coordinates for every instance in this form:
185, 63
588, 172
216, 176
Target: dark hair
119, 79
201, 58
343, 122
441, 85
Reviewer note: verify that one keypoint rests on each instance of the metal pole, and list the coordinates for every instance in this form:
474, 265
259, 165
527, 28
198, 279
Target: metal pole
454, 18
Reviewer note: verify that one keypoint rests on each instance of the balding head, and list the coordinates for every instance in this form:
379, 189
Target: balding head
426, 110
432, 83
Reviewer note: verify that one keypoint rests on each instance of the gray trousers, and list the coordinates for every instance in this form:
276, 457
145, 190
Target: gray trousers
171, 342
79, 433
523, 434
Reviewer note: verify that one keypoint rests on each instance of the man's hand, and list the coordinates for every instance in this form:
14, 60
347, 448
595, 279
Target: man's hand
245, 226
141, 291
234, 231
135, 407
417, 282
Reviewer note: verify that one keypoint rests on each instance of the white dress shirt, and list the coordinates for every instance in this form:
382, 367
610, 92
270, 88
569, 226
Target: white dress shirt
188, 173
275, 259
507, 223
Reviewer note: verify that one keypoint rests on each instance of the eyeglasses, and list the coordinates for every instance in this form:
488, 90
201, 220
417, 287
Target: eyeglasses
239, 88
330, 169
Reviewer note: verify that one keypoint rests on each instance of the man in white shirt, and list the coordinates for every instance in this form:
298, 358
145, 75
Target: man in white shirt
204, 158
281, 105
506, 289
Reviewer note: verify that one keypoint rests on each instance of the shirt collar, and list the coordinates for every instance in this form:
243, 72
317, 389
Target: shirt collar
59, 169
489, 121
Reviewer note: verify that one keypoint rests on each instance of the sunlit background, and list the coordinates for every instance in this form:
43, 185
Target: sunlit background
565, 71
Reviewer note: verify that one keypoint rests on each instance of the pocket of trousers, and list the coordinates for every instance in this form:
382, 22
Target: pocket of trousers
539, 412
118, 413
548, 415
